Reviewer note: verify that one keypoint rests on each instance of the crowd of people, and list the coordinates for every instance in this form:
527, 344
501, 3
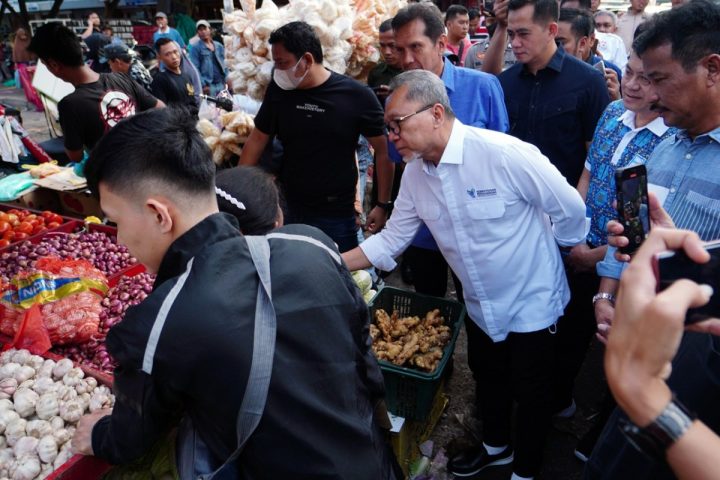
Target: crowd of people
507, 149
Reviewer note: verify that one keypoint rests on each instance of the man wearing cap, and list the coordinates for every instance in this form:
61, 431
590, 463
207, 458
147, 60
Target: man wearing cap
164, 30
208, 56
123, 60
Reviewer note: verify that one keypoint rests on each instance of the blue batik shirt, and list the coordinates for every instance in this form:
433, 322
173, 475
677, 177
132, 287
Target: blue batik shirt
616, 144
684, 173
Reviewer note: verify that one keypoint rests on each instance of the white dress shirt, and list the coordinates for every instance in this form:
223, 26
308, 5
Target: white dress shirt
496, 207
612, 48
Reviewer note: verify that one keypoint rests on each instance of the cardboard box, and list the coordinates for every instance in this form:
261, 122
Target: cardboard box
39, 199
407, 435
79, 204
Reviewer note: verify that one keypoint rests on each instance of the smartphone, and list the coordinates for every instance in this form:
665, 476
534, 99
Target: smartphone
600, 66
632, 205
489, 6
671, 266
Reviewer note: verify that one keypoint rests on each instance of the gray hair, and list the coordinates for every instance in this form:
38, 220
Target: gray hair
425, 87
608, 13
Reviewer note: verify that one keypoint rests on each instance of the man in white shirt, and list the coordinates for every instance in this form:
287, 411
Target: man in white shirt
497, 208
630, 20
610, 45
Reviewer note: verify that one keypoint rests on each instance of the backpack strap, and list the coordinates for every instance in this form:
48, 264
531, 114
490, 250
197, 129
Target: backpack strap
256, 391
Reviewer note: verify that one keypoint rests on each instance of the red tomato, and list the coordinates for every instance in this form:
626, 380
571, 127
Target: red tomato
31, 216
4, 226
52, 225
47, 214
21, 236
3, 216
56, 218
39, 229
9, 235
24, 227
4, 243
13, 218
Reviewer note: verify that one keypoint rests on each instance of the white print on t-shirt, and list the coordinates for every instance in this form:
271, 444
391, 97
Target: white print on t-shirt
116, 106
310, 108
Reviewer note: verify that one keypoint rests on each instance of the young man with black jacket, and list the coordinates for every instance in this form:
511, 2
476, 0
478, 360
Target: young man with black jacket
186, 351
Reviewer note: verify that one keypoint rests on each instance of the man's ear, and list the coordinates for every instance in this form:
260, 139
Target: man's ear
712, 64
309, 59
160, 211
584, 45
442, 42
553, 29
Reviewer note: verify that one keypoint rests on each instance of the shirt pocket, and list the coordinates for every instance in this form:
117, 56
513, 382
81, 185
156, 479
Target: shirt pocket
700, 214
428, 211
490, 209
559, 116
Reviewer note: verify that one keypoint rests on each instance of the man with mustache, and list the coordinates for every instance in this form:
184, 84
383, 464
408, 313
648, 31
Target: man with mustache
680, 51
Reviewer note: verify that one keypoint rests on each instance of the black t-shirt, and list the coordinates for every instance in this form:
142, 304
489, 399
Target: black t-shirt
319, 129
174, 89
94, 108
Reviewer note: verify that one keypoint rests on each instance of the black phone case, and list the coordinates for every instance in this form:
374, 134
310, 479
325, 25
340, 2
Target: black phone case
634, 244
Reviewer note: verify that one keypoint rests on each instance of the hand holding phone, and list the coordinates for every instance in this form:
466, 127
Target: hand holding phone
672, 266
600, 66
632, 205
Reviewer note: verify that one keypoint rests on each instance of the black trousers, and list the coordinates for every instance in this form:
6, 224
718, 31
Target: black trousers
430, 270
518, 369
575, 330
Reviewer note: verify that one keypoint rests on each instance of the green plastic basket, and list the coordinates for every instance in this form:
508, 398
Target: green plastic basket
409, 392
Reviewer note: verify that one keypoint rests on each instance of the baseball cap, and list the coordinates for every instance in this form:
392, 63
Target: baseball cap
200, 23
112, 51
160, 14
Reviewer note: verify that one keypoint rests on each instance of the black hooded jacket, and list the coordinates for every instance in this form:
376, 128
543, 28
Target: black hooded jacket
318, 420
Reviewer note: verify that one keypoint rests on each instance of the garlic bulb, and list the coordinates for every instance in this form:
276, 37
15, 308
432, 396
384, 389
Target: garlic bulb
73, 377
25, 446
38, 428
8, 370
47, 406
21, 356
47, 449
28, 467
61, 368
6, 418
62, 435
72, 410
8, 387
25, 400
15, 430
46, 369
24, 373
44, 385
57, 423
35, 361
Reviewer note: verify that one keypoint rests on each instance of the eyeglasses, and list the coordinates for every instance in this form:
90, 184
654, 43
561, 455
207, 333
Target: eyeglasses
394, 125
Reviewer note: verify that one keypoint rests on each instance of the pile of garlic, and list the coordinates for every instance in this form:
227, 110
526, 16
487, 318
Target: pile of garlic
247, 51
236, 128
347, 29
41, 401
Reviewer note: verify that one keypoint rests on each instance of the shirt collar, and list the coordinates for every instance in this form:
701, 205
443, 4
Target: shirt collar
657, 126
556, 62
453, 153
713, 134
448, 75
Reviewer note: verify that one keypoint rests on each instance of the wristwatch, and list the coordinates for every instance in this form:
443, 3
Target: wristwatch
665, 430
604, 296
385, 205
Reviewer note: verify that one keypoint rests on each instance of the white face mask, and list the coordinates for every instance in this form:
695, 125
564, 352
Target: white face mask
286, 79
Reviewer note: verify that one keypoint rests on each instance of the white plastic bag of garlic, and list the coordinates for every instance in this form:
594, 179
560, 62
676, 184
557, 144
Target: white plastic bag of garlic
347, 29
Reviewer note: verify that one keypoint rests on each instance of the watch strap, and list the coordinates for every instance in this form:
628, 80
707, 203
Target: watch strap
665, 430
604, 296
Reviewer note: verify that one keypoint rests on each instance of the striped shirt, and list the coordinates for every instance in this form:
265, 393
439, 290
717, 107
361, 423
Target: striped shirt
685, 175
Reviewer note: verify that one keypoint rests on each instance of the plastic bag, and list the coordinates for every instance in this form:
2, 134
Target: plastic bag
68, 294
32, 334
14, 186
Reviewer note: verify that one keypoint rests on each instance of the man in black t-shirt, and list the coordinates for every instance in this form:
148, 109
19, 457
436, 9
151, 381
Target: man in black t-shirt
99, 101
173, 86
318, 116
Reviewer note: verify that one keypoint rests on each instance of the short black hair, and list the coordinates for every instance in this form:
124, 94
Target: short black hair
106, 27
692, 30
581, 22
256, 190
162, 41
455, 11
385, 26
545, 11
473, 13
298, 38
161, 146
584, 4
53, 41
428, 13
